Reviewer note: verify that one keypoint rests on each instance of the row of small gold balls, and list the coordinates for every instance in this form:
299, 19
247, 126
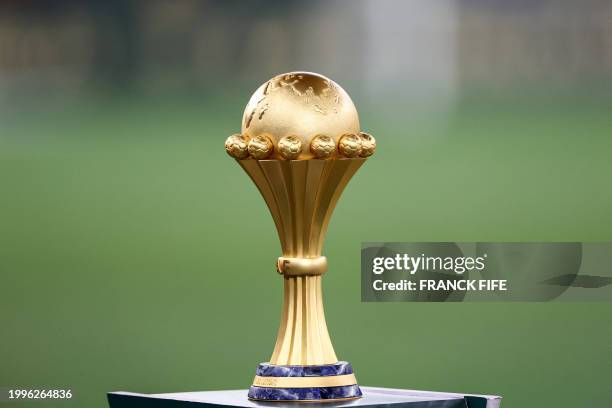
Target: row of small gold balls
290, 147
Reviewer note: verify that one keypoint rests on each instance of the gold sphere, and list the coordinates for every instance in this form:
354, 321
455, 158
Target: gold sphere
368, 144
260, 147
350, 145
237, 146
322, 146
300, 104
290, 147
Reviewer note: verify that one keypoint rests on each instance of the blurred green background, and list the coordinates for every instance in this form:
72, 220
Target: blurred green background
136, 255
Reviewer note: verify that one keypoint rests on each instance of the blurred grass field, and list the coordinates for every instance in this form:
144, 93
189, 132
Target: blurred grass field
137, 256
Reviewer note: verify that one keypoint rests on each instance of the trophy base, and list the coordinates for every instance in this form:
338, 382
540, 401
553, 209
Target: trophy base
330, 382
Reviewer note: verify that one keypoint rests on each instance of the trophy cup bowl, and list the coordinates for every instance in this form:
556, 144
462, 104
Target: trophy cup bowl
301, 144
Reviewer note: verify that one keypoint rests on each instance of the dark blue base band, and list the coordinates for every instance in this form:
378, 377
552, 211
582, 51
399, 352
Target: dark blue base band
271, 370
304, 394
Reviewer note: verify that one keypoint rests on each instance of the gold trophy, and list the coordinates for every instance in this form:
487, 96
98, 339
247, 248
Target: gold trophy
301, 143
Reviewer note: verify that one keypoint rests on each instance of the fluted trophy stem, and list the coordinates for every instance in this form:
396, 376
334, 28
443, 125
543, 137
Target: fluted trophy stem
302, 336
301, 145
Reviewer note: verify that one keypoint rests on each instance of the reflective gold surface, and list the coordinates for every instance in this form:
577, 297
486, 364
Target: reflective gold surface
350, 145
301, 196
290, 147
304, 145
301, 266
322, 147
237, 146
300, 104
368, 144
260, 147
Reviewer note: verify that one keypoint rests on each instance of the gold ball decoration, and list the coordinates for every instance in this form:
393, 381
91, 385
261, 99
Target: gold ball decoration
237, 146
350, 145
322, 146
368, 144
300, 104
290, 147
260, 147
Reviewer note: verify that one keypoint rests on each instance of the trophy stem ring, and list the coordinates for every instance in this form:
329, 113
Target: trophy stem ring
301, 144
